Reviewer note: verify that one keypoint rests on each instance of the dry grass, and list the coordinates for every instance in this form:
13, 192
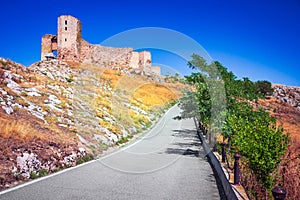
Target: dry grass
74, 65
138, 119
93, 68
19, 130
112, 76
130, 84
289, 169
26, 128
178, 87
102, 103
111, 127
151, 95
286, 116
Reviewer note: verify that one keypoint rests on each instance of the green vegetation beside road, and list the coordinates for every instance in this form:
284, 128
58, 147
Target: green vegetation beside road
223, 104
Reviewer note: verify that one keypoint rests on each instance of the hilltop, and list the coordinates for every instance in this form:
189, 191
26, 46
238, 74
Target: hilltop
58, 114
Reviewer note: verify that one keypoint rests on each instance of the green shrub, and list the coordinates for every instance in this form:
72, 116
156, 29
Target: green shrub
34, 175
253, 133
3, 63
264, 87
42, 172
83, 159
124, 139
69, 79
56, 169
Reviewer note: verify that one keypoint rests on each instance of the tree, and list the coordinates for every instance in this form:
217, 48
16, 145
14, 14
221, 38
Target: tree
264, 88
197, 104
210, 92
258, 139
189, 104
253, 132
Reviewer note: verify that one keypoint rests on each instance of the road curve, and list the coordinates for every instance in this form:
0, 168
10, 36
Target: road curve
166, 163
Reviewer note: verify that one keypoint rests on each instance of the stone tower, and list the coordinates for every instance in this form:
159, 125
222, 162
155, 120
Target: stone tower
68, 38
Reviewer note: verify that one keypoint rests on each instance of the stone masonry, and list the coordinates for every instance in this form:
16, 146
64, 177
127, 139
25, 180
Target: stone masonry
68, 38
49, 44
71, 47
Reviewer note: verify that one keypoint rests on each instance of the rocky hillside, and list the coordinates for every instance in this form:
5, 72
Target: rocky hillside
55, 115
288, 94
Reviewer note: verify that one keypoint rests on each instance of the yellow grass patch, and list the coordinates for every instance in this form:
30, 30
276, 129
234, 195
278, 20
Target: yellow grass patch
23, 130
110, 126
150, 95
113, 76
138, 119
102, 103
19, 130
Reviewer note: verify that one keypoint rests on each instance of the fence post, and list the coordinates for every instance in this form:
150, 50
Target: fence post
223, 152
236, 169
278, 193
215, 144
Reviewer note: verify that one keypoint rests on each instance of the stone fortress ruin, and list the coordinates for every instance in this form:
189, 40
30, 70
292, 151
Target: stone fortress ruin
69, 46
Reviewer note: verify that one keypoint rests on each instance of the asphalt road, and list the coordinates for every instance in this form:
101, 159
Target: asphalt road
166, 163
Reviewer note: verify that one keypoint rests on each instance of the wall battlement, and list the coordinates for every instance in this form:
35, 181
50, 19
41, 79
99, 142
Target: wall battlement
71, 47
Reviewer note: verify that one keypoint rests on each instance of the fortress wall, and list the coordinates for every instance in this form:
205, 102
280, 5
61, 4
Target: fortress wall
46, 46
134, 60
71, 47
145, 61
106, 56
155, 70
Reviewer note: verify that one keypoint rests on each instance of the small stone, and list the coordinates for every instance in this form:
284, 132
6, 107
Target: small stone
4, 92
124, 133
8, 109
54, 99
63, 125
50, 75
34, 94
132, 130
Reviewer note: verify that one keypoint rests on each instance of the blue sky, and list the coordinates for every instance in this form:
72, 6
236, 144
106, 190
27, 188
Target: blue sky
256, 39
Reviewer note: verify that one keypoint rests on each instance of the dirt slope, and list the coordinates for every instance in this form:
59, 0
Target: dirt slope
55, 115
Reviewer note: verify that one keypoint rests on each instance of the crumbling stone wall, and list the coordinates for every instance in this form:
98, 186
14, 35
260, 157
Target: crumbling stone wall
156, 70
145, 61
49, 44
71, 47
106, 56
134, 60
